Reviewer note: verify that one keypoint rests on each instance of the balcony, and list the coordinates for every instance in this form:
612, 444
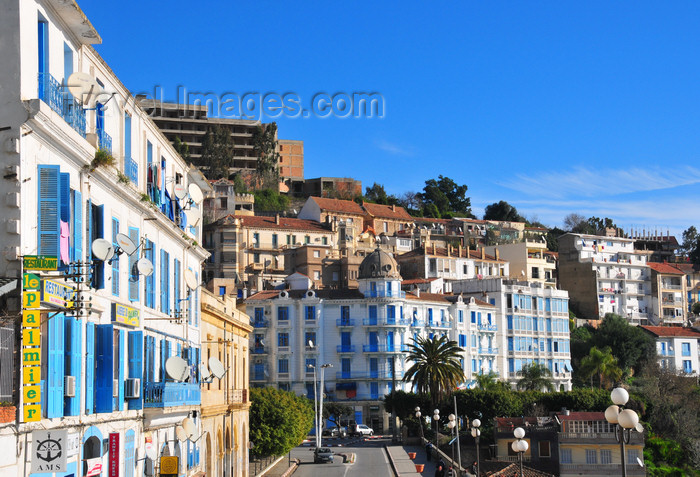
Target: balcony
239, 396
131, 168
488, 351
171, 394
346, 348
377, 348
62, 102
417, 323
599, 469
597, 437
344, 322
385, 294
372, 374
259, 350
105, 141
488, 327
386, 322
261, 324
440, 325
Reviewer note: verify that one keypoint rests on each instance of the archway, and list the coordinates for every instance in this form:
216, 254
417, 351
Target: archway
235, 455
219, 451
92, 446
227, 455
210, 455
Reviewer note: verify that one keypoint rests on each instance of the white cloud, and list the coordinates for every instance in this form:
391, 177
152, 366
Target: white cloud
394, 149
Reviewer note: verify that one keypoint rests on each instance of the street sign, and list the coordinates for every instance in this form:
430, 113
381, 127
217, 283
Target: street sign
40, 262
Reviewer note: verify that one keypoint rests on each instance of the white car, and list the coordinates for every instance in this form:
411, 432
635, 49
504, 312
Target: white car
363, 430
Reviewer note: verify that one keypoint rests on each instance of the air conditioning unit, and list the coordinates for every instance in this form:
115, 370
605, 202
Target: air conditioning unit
69, 386
115, 388
132, 388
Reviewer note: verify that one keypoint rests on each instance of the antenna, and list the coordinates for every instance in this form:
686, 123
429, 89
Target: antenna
177, 368
102, 249
217, 368
190, 279
144, 267
125, 245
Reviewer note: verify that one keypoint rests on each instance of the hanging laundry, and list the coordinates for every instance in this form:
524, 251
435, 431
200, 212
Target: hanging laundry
65, 242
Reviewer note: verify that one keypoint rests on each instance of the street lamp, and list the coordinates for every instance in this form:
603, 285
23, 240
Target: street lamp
476, 433
624, 420
436, 419
451, 426
420, 423
520, 446
316, 420
320, 401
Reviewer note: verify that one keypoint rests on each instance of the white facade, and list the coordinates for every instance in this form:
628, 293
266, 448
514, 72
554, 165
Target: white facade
678, 348
57, 203
533, 326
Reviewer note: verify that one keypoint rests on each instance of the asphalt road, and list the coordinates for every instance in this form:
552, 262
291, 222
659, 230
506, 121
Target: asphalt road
371, 459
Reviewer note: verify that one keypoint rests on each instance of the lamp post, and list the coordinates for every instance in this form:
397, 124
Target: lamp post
436, 419
451, 424
520, 446
311, 366
320, 402
624, 420
476, 433
420, 423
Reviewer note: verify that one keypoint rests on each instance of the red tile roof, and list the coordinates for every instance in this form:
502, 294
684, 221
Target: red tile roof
671, 331
338, 205
688, 268
285, 223
415, 281
387, 211
665, 268
513, 470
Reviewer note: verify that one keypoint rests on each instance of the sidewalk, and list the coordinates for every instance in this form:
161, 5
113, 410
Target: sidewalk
281, 468
405, 466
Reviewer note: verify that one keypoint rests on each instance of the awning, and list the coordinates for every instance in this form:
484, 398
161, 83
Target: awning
345, 386
7, 285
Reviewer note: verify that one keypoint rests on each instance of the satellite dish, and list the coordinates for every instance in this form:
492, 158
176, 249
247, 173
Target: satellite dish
145, 267
80, 84
639, 428
189, 427
177, 368
126, 244
102, 249
217, 368
639, 461
192, 217
180, 433
204, 372
196, 193
151, 451
190, 279
180, 191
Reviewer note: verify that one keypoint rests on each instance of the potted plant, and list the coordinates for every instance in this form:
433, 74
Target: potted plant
7, 412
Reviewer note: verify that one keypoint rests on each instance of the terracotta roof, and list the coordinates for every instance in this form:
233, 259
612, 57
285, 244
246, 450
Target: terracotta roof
415, 281
338, 205
387, 211
582, 416
687, 268
262, 222
671, 331
513, 470
665, 268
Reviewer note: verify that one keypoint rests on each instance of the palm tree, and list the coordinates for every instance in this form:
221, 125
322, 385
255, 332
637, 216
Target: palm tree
488, 382
535, 377
602, 363
436, 367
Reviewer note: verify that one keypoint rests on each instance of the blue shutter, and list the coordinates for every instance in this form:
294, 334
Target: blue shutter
151, 344
88, 216
43, 48
49, 217
133, 273
105, 368
129, 453
89, 368
115, 259
77, 226
98, 232
136, 355
65, 197
163, 357
176, 286
73, 360
54, 401
122, 349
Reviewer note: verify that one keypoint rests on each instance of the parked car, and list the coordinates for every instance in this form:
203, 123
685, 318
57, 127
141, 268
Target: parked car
336, 432
323, 454
363, 430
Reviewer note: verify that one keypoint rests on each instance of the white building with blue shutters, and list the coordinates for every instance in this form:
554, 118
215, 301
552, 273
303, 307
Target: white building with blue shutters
102, 376
364, 333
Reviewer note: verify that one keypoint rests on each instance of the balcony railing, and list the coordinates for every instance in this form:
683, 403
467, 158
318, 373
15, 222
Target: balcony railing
600, 469
340, 322
131, 168
439, 325
386, 322
376, 374
377, 348
488, 328
239, 396
261, 324
385, 294
259, 350
105, 141
417, 323
172, 394
346, 348
488, 351
50, 92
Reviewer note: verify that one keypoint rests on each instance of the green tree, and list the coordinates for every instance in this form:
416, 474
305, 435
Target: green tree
335, 411
436, 368
265, 149
449, 198
270, 200
217, 153
631, 345
490, 382
182, 148
552, 237
376, 194
696, 308
535, 377
690, 239
502, 211
404, 404
279, 420
602, 363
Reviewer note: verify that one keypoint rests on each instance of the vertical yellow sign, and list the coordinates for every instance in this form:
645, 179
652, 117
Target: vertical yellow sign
31, 348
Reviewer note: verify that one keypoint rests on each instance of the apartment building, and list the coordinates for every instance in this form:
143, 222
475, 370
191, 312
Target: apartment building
250, 250
570, 444
533, 326
362, 332
529, 259
94, 371
225, 337
692, 283
386, 220
678, 348
606, 275
342, 187
291, 166
347, 213
668, 294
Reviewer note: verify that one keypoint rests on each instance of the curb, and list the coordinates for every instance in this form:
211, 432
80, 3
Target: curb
269, 467
391, 461
292, 469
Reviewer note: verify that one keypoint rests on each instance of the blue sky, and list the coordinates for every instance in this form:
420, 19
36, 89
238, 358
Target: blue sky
554, 107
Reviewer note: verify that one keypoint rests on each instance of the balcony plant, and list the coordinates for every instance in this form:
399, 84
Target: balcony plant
102, 158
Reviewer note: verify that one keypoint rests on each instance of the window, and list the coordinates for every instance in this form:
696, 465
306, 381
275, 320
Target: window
632, 456
283, 366
317, 275
460, 315
317, 254
274, 241
222, 291
310, 313
310, 364
474, 317
345, 314
591, 456
282, 313
544, 449
565, 456
386, 227
605, 456
685, 349
256, 241
307, 239
150, 254
310, 338
462, 340
687, 366
324, 240
282, 340
164, 281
